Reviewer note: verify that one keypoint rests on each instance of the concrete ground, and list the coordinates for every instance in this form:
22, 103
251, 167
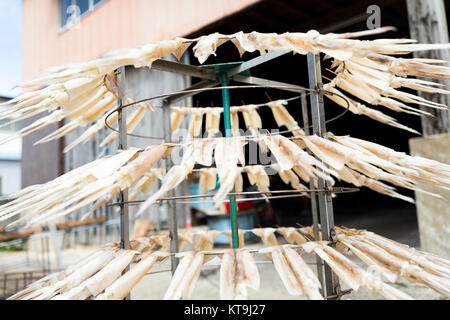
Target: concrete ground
399, 224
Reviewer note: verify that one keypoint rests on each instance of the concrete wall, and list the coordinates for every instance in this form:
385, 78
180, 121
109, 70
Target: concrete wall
433, 214
10, 172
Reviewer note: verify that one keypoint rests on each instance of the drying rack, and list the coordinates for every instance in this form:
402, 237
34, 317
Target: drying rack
221, 74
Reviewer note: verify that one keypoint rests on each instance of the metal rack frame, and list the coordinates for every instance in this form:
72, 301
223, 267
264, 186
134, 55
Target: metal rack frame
321, 201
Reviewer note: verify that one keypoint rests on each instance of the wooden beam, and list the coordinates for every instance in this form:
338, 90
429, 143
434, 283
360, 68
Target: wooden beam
23, 233
27, 232
78, 223
428, 24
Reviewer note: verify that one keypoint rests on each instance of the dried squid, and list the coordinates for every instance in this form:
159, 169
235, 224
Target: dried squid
237, 272
368, 74
295, 274
353, 275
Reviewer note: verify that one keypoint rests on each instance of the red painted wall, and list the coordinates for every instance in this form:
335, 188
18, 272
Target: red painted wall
113, 25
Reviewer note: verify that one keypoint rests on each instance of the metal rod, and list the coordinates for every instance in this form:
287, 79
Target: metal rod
199, 85
264, 82
205, 87
54, 234
44, 263
187, 69
228, 134
42, 260
211, 74
216, 266
325, 203
333, 190
339, 295
47, 246
171, 210
313, 197
256, 62
123, 195
247, 199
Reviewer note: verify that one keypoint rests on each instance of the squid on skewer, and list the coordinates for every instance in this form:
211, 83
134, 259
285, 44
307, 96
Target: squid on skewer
183, 238
177, 116
234, 119
79, 275
204, 239
252, 119
139, 57
228, 152
289, 177
183, 281
289, 155
71, 97
353, 275
94, 285
291, 235
51, 279
258, 176
196, 122
357, 108
212, 122
406, 253
295, 274
207, 179
146, 183
267, 235
388, 82
425, 68
241, 234
203, 151
413, 167
237, 272
283, 117
412, 273
404, 261
207, 45
338, 155
356, 161
93, 130
98, 271
123, 285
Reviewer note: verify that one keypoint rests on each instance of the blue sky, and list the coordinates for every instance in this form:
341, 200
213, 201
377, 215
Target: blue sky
10, 46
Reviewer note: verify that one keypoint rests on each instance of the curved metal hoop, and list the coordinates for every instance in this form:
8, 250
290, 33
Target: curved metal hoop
299, 88
300, 193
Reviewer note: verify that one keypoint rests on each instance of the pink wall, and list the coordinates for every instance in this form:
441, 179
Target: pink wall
114, 24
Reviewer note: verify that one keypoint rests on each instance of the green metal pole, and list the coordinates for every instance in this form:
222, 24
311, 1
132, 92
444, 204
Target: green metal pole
227, 124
